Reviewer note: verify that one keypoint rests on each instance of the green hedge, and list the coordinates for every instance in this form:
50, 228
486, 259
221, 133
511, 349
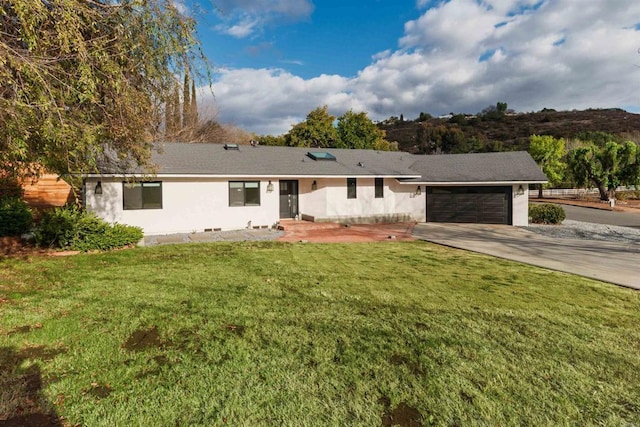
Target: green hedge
15, 217
72, 228
546, 213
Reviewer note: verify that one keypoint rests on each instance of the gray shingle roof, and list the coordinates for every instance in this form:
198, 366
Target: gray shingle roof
214, 159
276, 161
479, 167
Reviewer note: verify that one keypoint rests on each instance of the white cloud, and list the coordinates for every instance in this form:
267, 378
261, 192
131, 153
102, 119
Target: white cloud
242, 18
241, 29
461, 56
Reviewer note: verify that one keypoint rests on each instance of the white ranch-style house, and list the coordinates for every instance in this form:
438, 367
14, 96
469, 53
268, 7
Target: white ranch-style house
207, 187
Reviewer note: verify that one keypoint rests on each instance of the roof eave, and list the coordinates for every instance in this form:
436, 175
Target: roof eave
265, 176
502, 182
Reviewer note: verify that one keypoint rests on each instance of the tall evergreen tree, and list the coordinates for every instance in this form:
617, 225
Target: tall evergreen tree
194, 105
175, 108
168, 115
186, 103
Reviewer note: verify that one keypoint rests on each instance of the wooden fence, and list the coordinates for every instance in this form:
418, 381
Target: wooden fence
48, 191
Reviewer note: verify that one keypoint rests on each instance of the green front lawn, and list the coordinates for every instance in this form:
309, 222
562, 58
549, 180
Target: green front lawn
313, 334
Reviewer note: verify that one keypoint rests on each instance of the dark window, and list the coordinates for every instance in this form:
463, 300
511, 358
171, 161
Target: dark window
351, 188
379, 188
244, 193
141, 195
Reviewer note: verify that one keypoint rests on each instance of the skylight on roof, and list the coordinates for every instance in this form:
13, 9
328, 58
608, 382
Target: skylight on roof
321, 155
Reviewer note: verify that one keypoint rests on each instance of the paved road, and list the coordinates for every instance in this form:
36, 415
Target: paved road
614, 262
600, 216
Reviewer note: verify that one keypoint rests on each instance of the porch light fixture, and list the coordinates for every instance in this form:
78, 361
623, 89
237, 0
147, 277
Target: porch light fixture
418, 191
314, 185
520, 191
270, 187
98, 189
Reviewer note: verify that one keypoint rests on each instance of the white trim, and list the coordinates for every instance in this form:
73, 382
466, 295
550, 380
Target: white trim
224, 176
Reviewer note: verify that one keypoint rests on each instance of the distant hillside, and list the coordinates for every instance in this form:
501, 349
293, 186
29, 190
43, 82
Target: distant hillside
497, 132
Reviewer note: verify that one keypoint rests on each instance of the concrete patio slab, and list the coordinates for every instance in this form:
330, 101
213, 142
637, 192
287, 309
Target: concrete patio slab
612, 262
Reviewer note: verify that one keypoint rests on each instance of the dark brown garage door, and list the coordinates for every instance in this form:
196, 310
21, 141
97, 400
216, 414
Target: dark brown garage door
483, 205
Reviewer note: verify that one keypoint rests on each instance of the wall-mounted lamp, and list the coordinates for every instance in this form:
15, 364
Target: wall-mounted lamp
98, 189
418, 191
520, 191
269, 187
314, 185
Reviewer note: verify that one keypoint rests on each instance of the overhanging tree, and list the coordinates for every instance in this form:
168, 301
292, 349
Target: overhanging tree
356, 130
316, 131
81, 77
548, 152
606, 167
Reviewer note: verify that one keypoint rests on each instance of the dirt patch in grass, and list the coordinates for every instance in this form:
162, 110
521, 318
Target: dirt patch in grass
142, 339
236, 329
161, 360
414, 368
402, 415
24, 329
99, 391
20, 330
32, 420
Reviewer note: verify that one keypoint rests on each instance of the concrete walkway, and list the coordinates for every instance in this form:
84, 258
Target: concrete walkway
617, 263
212, 236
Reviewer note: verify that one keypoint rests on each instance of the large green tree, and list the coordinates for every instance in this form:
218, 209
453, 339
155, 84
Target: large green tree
606, 167
81, 77
549, 153
356, 130
316, 131
437, 139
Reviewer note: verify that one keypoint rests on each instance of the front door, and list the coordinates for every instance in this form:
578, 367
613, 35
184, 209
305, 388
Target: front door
288, 199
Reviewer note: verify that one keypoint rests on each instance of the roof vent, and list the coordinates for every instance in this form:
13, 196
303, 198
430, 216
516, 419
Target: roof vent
232, 147
361, 164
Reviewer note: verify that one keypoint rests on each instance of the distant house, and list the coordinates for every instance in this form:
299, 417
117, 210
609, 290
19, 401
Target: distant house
200, 187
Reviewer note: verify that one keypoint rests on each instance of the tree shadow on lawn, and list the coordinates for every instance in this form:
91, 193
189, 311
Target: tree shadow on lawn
21, 400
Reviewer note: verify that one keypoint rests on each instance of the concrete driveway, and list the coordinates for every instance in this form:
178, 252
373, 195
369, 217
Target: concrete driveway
613, 262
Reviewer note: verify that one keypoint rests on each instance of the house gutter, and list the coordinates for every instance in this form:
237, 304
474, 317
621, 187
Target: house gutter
271, 176
466, 183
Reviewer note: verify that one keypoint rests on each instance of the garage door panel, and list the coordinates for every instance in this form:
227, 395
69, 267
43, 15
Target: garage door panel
488, 205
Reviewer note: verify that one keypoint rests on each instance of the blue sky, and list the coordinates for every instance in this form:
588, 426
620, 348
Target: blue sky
336, 37
276, 60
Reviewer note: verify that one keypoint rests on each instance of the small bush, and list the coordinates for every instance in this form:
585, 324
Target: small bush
546, 214
15, 217
10, 188
71, 228
628, 195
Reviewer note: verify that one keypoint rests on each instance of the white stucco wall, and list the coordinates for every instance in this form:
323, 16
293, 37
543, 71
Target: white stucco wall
197, 204
520, 206
330, 203
187, 206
